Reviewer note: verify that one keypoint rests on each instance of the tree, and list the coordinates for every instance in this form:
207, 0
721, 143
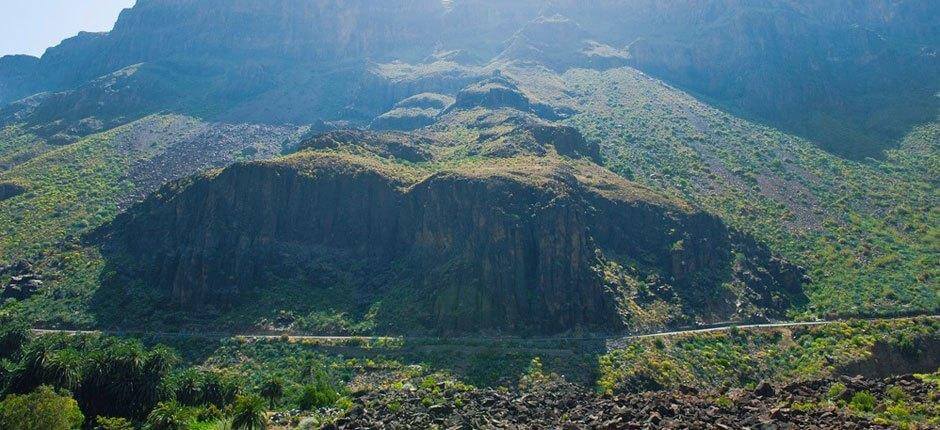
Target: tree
319, 394
63, 369
273, 390
125, 380
12, 338
189, 388
249, 414
41, 409
219, 390
167, 416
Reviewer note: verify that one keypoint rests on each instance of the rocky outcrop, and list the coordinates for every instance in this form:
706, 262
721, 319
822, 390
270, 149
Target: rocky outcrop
393, 145
23, 281
513, 247
560, 44
918, 356
556, 404
498, 92
413, 113
8, 190
15, 81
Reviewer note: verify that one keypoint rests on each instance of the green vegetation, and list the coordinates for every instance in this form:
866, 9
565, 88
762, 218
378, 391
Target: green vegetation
738, 358
70, 191
892, 408
42, 409
866, 231
272, 390
224, 379
249, 414
18, 146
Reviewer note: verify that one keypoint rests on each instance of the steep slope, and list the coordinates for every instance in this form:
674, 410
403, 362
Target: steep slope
72, 189
865, 231
855, 76
519, 245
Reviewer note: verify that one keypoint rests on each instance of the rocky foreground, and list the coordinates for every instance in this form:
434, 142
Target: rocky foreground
567, 406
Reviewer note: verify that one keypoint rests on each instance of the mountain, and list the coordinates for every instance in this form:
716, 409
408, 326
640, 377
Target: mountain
673, 125
853, 76
514, 242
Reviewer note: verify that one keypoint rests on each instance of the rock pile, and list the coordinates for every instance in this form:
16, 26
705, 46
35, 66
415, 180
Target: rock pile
23, 281
563, 405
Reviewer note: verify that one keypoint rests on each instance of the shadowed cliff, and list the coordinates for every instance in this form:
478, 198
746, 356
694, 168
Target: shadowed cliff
525, 244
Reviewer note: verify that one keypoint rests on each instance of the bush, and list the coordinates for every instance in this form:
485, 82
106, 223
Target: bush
319, 394
896, 394
836, 391
863, 401
41, 409
104, 423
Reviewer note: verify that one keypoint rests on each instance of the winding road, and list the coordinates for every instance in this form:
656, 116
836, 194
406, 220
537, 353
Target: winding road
611, 342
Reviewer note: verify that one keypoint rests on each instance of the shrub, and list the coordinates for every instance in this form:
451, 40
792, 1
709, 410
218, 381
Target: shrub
836, 391
863, 401
319, 394
105, 423
42, 409
896, 394
724, 402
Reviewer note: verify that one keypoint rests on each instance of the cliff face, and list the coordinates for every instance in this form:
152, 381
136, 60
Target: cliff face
494, 248
795, 64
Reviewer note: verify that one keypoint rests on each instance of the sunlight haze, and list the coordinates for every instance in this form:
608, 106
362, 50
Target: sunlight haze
29, 27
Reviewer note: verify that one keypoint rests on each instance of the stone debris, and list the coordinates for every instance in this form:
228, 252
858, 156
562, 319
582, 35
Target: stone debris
23, 283
561, 405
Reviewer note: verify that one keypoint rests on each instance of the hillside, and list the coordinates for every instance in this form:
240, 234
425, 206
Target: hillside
796, 66
519, 244
299, 214
863, 231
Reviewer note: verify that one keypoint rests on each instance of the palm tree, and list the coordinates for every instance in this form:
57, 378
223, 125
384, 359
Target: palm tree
249, 414
167, 416
273, 390
189, 388
64, 369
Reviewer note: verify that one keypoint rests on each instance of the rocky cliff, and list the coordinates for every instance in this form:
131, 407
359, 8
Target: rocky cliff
520, 245
796, 65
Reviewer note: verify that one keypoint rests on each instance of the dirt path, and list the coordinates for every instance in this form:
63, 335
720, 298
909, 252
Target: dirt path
611, 342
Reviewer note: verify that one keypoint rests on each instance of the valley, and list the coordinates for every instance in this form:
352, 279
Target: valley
476, 214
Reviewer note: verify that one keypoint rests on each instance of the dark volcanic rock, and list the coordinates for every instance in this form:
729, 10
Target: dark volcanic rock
498, 92
536, 138
23, 283
413, 113
500, 246
386, 145
555, 404
8, 190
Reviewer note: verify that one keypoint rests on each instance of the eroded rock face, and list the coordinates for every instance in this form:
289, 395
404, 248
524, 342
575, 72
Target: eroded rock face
513, 248
8, 190
413, 112
498, 92
385, 145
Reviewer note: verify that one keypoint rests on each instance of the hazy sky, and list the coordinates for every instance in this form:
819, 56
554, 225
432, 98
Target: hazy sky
31, 26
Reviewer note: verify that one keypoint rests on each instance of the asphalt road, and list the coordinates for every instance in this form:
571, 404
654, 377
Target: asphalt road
612, 342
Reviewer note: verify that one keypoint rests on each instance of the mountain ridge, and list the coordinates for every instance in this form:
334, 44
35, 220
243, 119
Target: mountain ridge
800, 74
